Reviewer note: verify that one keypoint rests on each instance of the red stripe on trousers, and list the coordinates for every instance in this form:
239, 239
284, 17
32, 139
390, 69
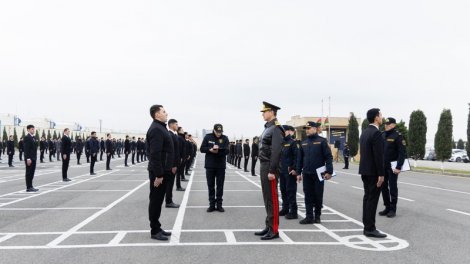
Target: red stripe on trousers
275, 206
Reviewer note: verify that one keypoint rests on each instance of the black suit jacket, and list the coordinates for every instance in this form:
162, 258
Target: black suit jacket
372, 153
160, 149
66, 145
30, 147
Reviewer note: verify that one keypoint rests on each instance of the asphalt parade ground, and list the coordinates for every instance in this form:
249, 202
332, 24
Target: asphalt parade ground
103, 219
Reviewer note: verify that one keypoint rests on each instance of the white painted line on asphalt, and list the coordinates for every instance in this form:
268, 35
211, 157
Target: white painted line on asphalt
458, 212
117, 181
331, 181
176, 234
420, 185
74, 229
358, 188
230, 236
284, 237
118, 238
93, 190
53, 208
228, 206
6, 237
229, 190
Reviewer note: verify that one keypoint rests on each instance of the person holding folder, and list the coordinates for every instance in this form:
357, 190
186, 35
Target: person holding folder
314, 153
394, 152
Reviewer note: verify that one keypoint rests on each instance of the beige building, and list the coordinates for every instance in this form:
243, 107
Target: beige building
336, 132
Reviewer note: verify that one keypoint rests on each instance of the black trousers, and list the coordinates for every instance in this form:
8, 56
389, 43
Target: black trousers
247, 158
390, 190
58, 155
87, 155
170, 183
313, 189
30, 170
101, 156
108, 161
138, 157
50, 156
291, 190
133, 157
10, 160
239, 162
79, 155
346, 163
188, 165
370, 201
215, 176
65, 166
125, 159
21, 155
179, 175
156, 198
253, 165
42, 156
94, 157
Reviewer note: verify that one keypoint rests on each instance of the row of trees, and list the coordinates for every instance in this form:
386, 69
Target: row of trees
48, 136
415, 135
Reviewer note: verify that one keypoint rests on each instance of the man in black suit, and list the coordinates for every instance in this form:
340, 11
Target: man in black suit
79, 149
30, 156
161, 154
21, 148
42, 148
94, 149
127, 150
254, 155
183, 157
173, 127
246, 154
372, 171
102, 148
139, 149
109, 151
10, 151
66, 151
133, 149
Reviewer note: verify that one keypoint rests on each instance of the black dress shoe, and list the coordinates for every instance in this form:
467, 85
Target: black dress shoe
262, 232
159, 236
270, 236
283, 212
180, 189
187, 174
254, 175
246, 171
163, 232
384, 212
317, 220
109, 169
307, 221
291, 216
375, 234
184, 180
391, 214
92, 174
66, 180
31, 190
220, 208
211, 209
172, 205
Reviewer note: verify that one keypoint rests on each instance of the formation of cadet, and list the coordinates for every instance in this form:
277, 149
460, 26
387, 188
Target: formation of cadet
169, 153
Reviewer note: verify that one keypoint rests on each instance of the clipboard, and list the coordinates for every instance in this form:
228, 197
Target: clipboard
406, 165
321, 171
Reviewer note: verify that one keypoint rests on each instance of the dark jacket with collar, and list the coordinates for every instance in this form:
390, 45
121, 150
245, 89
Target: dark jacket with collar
271, 144
160, 149
372, 152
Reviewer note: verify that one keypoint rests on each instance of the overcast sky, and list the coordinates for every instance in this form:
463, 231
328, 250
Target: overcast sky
216, 61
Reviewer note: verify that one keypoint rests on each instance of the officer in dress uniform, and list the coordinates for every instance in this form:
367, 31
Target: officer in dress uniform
313, 154
289, 178
269, 156
394, 151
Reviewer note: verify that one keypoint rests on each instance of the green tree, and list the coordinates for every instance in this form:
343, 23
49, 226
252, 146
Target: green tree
353, 135
417, 135
15, 137
49, 136
37, 134
461, 144
468, 133
443, 138
44, 133
23, 134
454, 144
365, 124
401, 127
55, 135
5, 135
